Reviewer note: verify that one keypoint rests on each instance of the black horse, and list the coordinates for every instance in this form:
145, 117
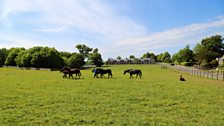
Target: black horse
131, 72
100, 71
70, 72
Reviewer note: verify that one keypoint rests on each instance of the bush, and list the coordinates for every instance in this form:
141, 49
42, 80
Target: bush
76, 60
222, 65
214, 63
11, 58
205, 65
187, 63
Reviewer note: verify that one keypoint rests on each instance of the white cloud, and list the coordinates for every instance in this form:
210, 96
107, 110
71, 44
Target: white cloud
92, 17
113, 33
172, 38
16, 41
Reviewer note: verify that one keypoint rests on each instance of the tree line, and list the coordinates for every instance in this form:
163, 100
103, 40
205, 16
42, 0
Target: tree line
204, 54
46, 57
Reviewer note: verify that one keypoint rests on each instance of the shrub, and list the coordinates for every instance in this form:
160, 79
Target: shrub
76, 60
205, 65
214, 63
187, 63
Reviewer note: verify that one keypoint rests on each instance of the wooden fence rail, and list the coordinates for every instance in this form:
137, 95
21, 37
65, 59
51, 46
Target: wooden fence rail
211, 74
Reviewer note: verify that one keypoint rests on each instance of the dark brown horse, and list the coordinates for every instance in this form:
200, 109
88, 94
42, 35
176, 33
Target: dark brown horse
181, 78
70, 72
100, 71
131, 72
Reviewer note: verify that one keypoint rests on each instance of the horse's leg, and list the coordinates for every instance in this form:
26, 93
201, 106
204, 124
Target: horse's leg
64, 75
101, 75
111, 75
71, 76
136, 75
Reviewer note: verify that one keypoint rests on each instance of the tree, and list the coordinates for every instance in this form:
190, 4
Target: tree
23, 59
149, 55
214, 44
159, 57
46, 57
132, 57
76, 60
95, 58
183, 55
3, 55
166, 57
209, 49
84, 50
65, 56
13, 53
119, 58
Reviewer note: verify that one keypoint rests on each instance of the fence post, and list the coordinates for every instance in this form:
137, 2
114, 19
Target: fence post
217, 75
207, 73
223, 75
212, 74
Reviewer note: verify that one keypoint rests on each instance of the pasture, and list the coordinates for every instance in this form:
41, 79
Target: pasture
30, 97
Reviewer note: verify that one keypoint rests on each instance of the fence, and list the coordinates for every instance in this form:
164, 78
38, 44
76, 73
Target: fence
31, 68
211, 74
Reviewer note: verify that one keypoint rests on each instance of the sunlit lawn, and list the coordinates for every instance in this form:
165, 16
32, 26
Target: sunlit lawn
44, 98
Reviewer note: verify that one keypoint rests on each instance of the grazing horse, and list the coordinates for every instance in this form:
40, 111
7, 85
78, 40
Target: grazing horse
181, 78
100, 71
69, 71
65, 73
131, 72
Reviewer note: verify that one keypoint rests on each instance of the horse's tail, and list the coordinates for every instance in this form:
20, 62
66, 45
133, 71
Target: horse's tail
140, 73
80, 73
111, 73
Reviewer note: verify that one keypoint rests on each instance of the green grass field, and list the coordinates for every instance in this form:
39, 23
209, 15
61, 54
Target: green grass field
30, 97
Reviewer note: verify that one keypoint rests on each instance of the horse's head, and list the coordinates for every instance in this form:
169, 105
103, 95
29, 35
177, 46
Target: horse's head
126, 71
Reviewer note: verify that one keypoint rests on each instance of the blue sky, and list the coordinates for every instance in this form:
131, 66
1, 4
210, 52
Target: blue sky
116, 27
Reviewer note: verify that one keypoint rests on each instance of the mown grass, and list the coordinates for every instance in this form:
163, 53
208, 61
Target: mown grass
44, 98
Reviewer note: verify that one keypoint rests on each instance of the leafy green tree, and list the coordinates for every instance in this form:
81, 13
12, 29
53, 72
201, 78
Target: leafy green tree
166, 57
11, 58
119, 57
159, 57
209, 49
65, 56
214, 44
23, 59
183, 55
149, 55
76, 60
84, 50
47, 57
132, 57
3, 55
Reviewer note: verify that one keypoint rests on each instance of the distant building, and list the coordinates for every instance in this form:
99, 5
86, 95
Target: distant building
220, 60
131, 61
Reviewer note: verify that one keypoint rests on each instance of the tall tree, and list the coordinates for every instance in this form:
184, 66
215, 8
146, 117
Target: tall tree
11, 58
166, 57
132, 57
149, 55
184, 55
76, 60
3, 55
84, 50
119, 57
96, 58
209, 49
